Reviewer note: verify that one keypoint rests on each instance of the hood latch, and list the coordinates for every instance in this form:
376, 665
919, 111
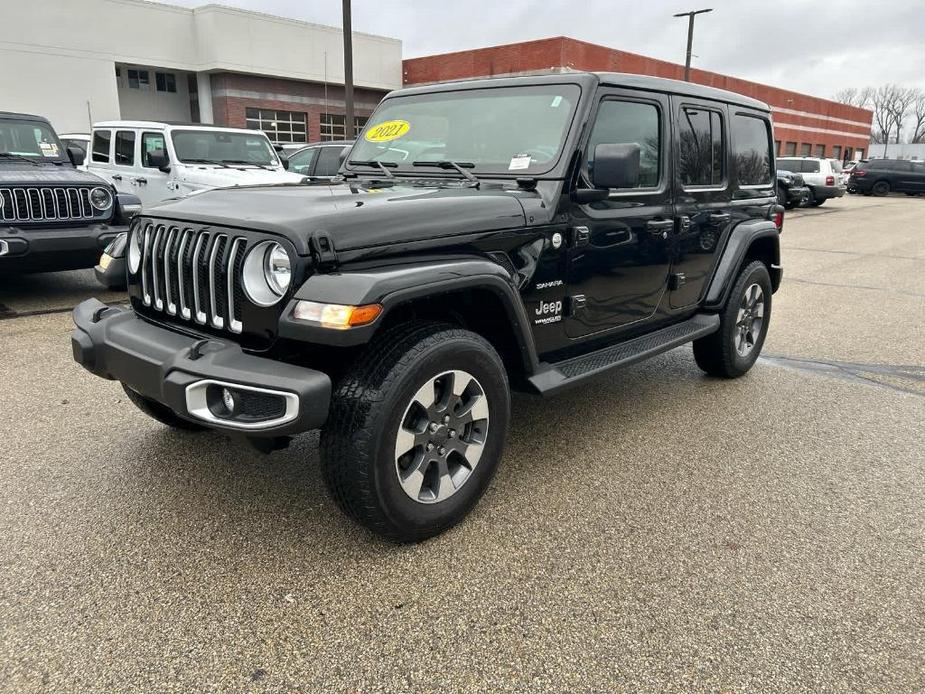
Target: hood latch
323, 251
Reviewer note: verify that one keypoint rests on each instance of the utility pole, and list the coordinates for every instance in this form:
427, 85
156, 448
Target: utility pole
690, 38
348, 73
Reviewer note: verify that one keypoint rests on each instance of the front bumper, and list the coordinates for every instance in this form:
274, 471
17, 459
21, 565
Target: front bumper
797, 194
45, 249
173, 368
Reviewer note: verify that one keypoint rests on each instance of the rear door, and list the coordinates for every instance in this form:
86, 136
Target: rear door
619, 250
124, 158
703, 200
100, 161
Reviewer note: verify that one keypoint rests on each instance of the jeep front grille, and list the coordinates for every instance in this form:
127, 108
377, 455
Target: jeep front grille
194, 274
69, 204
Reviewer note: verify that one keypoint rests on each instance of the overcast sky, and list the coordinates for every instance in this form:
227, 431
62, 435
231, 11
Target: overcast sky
804, 45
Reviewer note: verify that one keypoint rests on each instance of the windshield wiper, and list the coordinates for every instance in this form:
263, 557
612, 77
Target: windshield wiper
460, 166
383, 166
248, 163
207, 161
17, 157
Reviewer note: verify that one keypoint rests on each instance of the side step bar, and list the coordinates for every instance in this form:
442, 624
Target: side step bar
553, 378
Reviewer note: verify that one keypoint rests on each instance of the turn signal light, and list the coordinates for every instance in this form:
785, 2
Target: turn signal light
336, 316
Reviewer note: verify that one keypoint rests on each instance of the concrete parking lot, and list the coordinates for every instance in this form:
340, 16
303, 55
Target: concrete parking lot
658, 530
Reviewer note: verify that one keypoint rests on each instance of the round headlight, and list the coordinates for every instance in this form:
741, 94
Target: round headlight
267, 273
278, 269
101, 199
134, 249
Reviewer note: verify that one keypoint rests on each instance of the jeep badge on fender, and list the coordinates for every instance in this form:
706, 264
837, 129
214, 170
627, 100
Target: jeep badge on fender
395, 307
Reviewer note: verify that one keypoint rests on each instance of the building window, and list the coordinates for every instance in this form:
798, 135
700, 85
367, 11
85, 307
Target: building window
791, 149
806, 149
165, 82
138, 79
125, 147
702, 156
280, 126
820, 151
332, 126
836, 151
777, 150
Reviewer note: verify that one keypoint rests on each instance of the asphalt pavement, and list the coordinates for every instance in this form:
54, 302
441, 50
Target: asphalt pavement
654, 531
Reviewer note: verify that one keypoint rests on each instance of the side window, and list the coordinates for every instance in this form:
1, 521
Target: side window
620, 122
751, 138
151, 142
810, 166
328, 161
125, 147
702, 153
301, 162
101, 139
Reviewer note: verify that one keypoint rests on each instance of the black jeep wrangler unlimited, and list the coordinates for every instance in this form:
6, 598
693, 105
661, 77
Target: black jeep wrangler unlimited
528, 232
52, 216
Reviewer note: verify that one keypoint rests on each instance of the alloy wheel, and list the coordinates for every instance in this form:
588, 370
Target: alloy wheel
749, 321
441, 436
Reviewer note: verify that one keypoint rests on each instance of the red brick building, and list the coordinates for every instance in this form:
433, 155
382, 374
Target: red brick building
803, 125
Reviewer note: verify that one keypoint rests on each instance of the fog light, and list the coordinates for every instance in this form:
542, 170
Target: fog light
228, 400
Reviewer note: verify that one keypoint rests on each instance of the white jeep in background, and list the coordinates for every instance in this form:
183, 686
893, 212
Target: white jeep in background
156, 160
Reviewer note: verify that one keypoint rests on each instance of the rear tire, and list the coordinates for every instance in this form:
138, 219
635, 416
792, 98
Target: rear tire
880, 189
441, 394
161, 413
733, 349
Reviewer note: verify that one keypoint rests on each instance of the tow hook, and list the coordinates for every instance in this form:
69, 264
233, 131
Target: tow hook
268, 444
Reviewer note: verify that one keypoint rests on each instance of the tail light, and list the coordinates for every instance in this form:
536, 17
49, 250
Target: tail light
830, 180
779, 220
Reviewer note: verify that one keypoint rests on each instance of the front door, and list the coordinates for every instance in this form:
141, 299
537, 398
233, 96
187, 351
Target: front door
703, 202
151, 184
619, 247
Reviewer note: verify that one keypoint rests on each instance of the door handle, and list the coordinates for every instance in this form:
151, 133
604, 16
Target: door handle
116, 177
718, 218
658, 226
144, 181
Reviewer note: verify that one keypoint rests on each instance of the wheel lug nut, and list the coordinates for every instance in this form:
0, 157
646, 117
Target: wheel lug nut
446, 419
441, 450
452, 433
434, 426
429, 446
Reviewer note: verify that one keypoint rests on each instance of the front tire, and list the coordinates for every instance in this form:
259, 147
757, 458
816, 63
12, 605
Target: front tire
733, 349
416, 430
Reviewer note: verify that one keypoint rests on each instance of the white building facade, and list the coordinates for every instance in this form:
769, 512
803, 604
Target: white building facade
80, 61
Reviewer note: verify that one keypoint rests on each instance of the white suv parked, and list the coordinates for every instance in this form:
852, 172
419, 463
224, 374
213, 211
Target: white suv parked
156, 161
824, 177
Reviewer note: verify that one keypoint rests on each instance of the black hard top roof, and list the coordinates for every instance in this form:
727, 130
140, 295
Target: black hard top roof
592, 79
22, 116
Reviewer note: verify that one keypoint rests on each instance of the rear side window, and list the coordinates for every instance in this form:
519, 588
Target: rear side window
836, 165
301, 162
328, 161
751, 139
810, 166
101, 140
702, 154
630, 122
125, 147
151, 142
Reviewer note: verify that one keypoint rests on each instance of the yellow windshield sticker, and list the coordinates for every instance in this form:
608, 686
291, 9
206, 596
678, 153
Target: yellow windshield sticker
388, 130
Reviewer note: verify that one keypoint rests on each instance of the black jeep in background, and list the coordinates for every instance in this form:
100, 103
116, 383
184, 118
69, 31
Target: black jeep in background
884, 176
52, 216
527, 233
791, 190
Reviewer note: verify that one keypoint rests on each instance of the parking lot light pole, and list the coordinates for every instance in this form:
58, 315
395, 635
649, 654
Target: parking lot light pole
690, 38
348, 73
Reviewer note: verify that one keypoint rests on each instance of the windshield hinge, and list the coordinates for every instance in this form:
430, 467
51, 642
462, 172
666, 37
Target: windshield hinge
323, 251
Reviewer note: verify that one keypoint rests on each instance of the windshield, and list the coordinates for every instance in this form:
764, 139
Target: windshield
215, 146
30, 138
508, 130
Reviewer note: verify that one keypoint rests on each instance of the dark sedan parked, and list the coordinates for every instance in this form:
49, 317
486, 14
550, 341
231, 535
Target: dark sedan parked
884, 176
791, 190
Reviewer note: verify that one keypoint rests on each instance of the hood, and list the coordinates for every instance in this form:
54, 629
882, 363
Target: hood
21, 173
355, 214
219, 177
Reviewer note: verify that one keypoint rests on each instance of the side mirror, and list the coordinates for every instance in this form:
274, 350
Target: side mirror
616, 166
158, 159
284, 160
343, 155
76, 155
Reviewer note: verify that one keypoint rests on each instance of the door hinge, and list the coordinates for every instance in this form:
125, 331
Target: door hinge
676, 280
323, 250
577, 304
580, 236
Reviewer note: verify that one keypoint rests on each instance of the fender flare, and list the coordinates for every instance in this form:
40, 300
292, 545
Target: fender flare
396, 285
740, 240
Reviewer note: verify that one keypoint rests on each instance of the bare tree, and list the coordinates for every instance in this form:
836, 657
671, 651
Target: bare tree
854, 96
900, 107
918, 115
